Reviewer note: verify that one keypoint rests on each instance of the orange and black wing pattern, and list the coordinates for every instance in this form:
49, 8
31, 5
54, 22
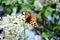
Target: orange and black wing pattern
30, 18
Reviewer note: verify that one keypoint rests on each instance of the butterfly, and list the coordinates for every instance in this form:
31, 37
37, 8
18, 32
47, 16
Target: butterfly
31, 19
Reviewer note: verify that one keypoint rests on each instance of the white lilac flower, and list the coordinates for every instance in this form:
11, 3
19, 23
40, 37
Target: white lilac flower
52, 1
38, 5
13, 26
55, 1
58, 7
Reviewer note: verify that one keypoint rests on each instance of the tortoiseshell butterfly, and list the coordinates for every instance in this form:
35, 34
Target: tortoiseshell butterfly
30, 18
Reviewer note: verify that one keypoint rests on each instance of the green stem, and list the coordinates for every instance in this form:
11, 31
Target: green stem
24, 33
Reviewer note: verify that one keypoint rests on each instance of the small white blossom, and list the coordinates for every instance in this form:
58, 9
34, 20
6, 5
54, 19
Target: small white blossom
58, 7
38, 5
13, 26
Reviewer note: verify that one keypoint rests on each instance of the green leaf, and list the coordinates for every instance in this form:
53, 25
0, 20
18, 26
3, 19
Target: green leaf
41, 27
27, 8
7, 2
8, 10
56, 27
0, 1
20, 1
39, 15
12, 2
47, 34
31, 1
48, 11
